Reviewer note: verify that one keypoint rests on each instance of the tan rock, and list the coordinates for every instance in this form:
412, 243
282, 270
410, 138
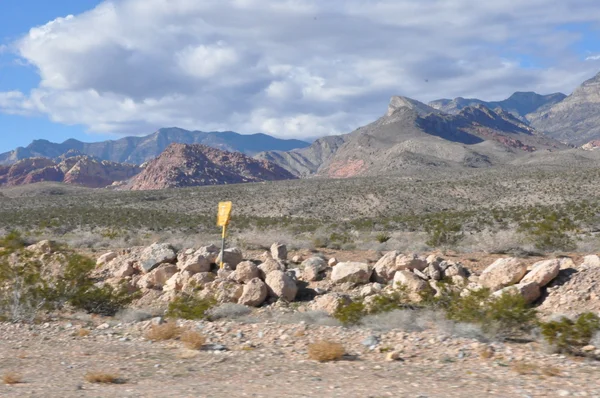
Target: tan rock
332, 262
210, 252
245, 272
279, 251
198, 281
410, 262
126, 269
592, 261
177, 282
330, 302
455, 270
311, 268
105, 258
232, 256
529, 291
194, 264
411, 281
502, 273
269, 266
353, 272
43, 246
254, 293
163, 273
385, 267
156, 254
297, 259
280, 285
542, 272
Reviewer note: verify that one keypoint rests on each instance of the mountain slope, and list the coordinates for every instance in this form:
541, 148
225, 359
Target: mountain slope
520, 104
576, 119
138, 150
182, 165
78, 170
412, 137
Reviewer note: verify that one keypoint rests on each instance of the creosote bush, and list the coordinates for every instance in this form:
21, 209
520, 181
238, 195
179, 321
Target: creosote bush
571, 335
188, 306
325, 351
28, 287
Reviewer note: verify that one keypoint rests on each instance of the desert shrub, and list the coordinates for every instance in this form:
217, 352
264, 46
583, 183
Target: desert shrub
324, 351
189, 307
507, 315
550, 233
570, 335
10, 378
443, 231
351, 313
102, 378
104, 300
382, 237
164, 331
193, 340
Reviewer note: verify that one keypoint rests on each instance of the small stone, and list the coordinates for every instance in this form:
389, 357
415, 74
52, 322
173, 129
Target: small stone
393, 356
104, 326
589, 348
370, 341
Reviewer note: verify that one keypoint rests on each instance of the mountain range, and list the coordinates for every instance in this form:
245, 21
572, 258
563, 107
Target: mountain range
410, 137
138, 150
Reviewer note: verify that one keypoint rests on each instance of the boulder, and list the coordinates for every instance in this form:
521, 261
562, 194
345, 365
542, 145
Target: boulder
542, 272
410, 262
227, 291
530, 291
279, 251
413, 283
210, 252
592, 261
255, 293
232, 256
156, 254
125, 269
455, 270
371, 289
332, 262
162, 274
434, 270
194, 264
245, 272
385, 268
281, 285
353, 272
105, 258
330, 302
269, 266
198, 281
502, 273
177, 282
43, 246
311, 268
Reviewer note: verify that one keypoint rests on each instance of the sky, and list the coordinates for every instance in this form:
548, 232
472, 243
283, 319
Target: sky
94, 70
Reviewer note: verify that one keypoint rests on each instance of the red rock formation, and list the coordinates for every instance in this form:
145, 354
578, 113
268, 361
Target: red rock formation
195, 165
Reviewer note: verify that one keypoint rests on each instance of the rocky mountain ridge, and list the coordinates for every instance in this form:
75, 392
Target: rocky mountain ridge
77, 170
182, 165
137, 150
412, 136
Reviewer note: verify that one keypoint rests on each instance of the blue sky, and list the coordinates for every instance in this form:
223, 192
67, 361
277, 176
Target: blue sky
292, 69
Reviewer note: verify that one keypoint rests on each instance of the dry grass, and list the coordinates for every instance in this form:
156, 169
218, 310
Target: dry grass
166, 331
486, 352
193, 340
12, 378
551, 371
324, 351
102, 378
83, 332
524, 368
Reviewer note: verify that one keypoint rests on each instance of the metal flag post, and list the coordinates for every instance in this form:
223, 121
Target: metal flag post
223, 217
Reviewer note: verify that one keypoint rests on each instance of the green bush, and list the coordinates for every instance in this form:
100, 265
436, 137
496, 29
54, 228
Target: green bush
350, 314
382, 237
188, 306
551, 233
104, 300
443, 231
568, 335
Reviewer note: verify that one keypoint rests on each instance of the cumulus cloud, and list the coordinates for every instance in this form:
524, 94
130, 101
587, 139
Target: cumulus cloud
292, 68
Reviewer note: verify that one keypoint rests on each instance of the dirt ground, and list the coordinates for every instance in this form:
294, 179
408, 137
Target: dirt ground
270, 360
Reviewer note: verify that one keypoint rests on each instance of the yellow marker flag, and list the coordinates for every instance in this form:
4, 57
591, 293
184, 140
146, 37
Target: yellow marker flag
224, 214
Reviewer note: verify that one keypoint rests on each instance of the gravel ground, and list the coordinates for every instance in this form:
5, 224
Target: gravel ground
268, 359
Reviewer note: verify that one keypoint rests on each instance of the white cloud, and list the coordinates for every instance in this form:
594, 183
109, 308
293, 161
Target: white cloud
593, 58
290, 67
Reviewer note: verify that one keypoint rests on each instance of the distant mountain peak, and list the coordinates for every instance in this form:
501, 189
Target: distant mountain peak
398, 102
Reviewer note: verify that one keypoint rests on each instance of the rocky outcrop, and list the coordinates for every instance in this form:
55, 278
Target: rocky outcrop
197, 165
502, 273
79, 170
